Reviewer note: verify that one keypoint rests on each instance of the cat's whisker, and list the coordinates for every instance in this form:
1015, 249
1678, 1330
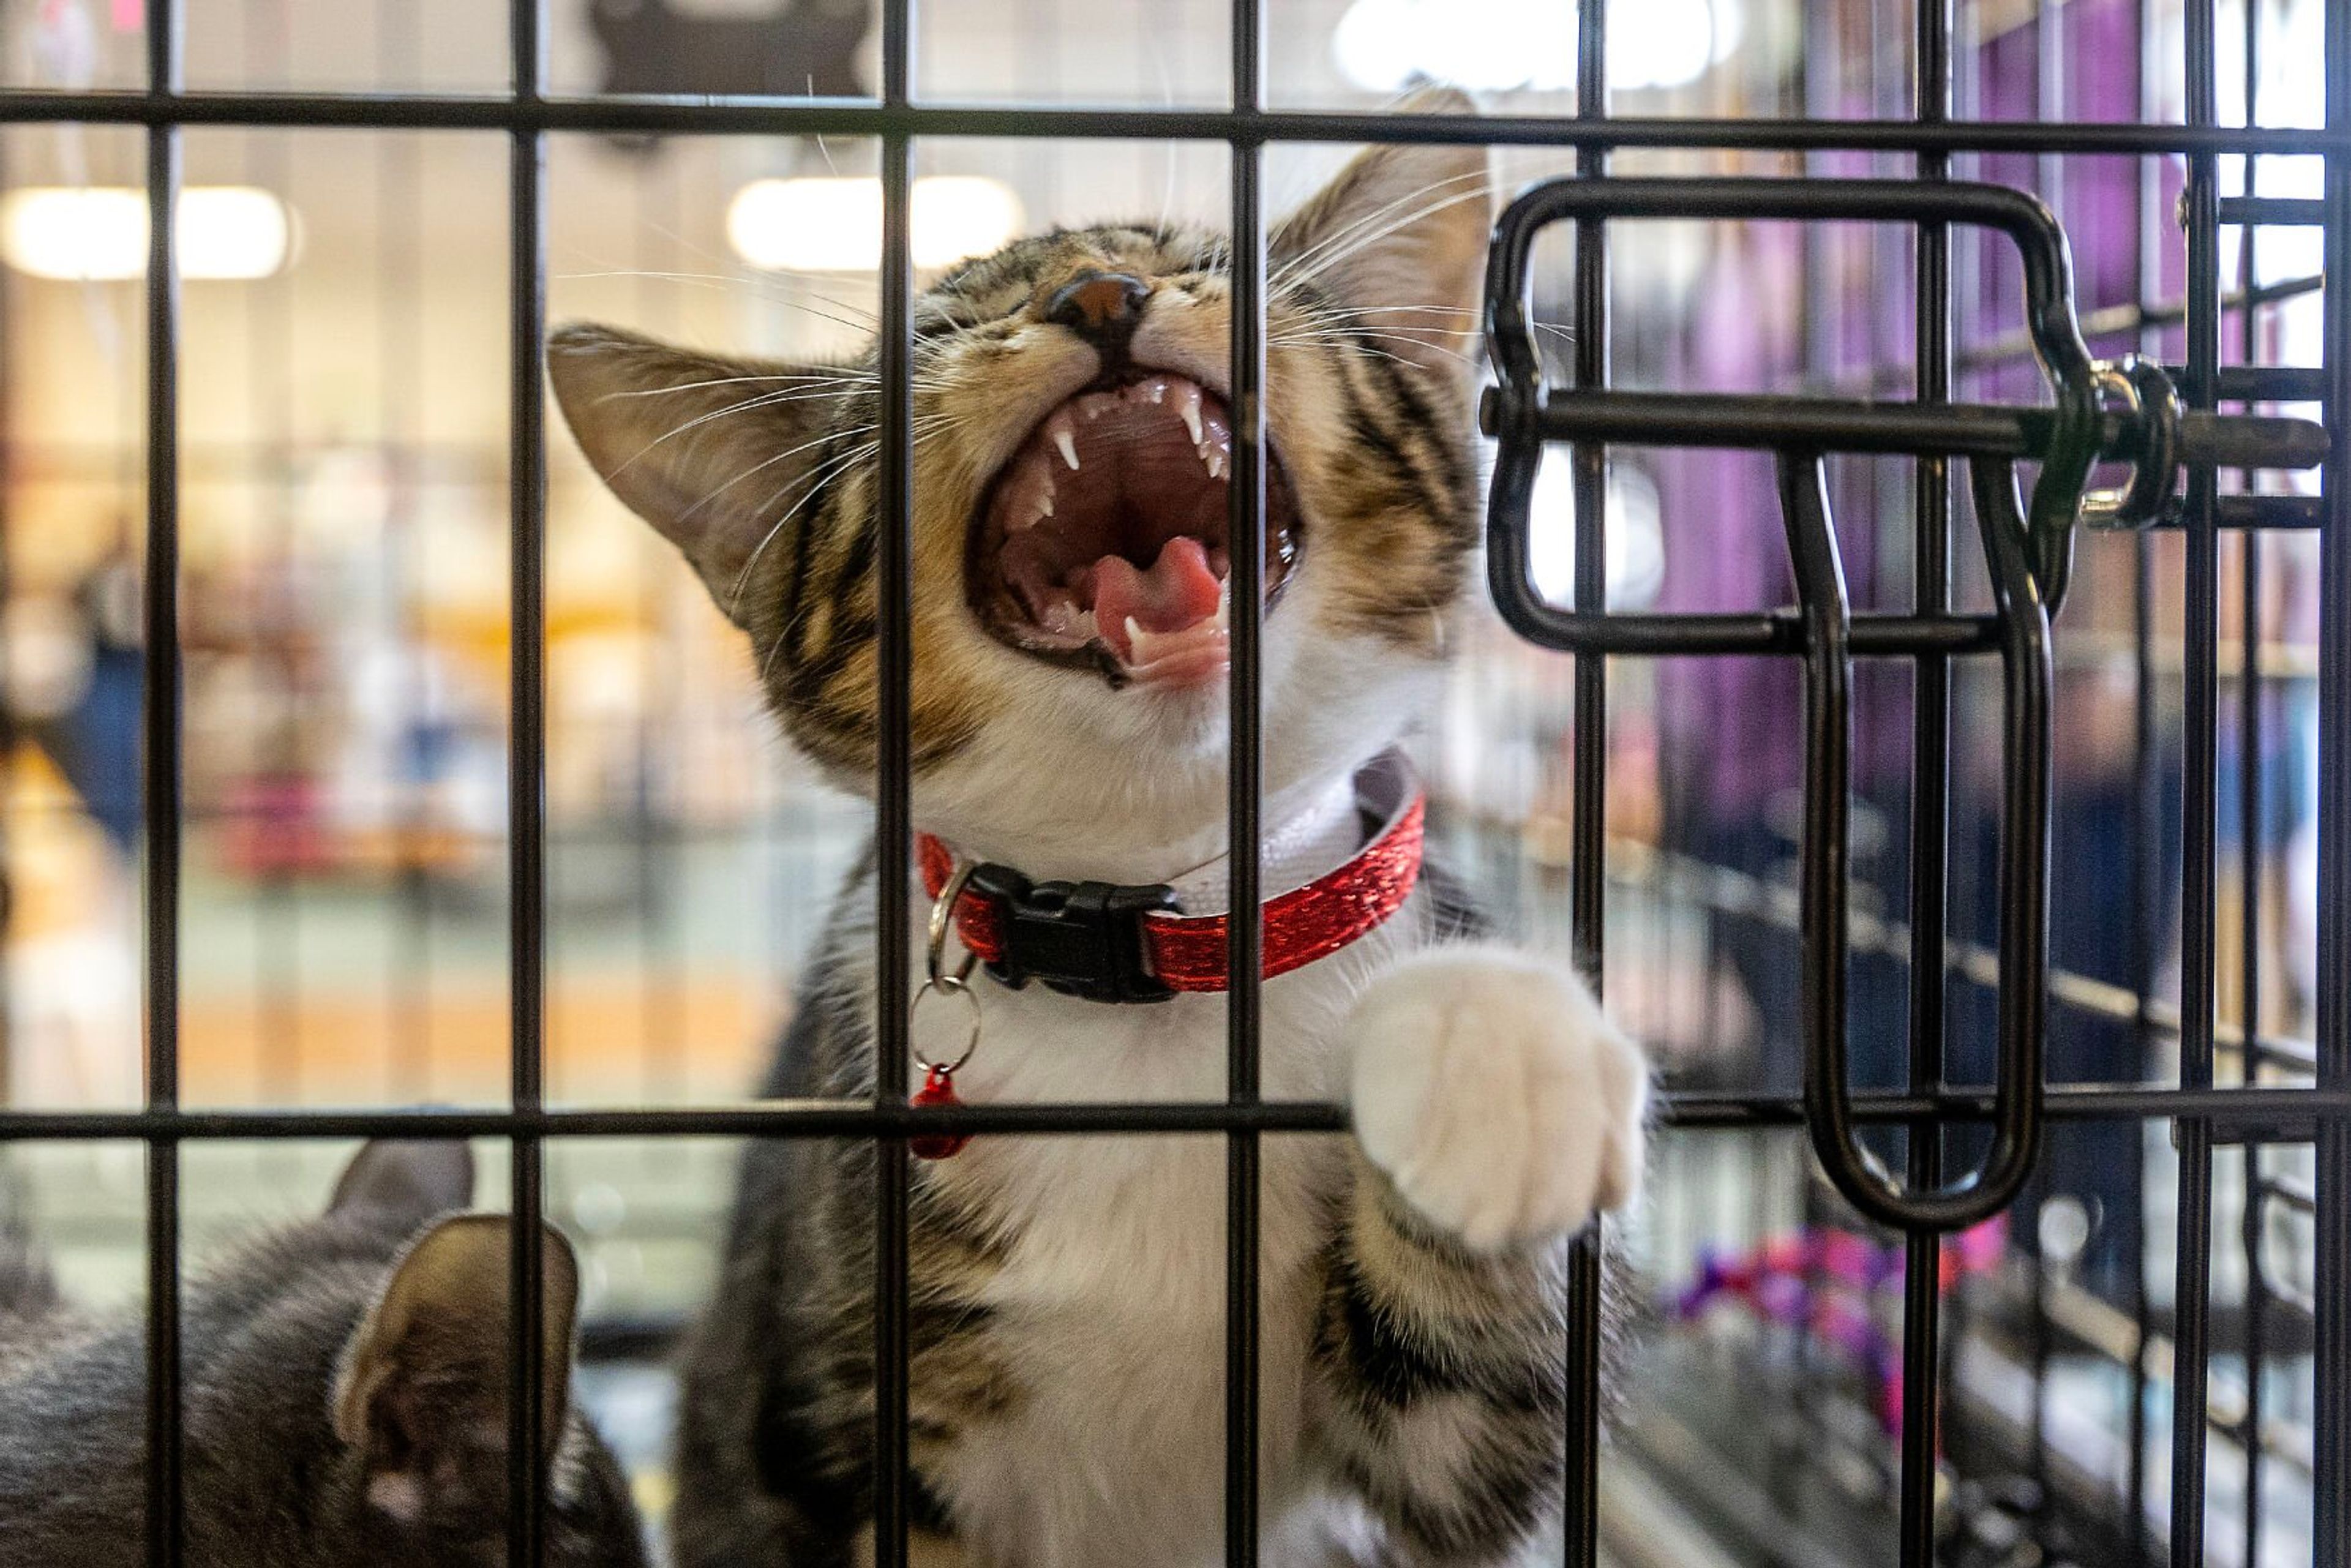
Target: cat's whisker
926, 427
925, 430
1354, 338
1402, 305
815, 479
1321, 313
1469, 359
1311, 260
747, 405
1395, 217
801, 380
1367, 336
1337, 333
767, 463
860, 390
732, 274
854, 392
816, 488
839, 304
1325, 256
831, 377
1554, 328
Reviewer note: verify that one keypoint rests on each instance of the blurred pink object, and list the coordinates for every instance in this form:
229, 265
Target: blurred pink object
1840, 1289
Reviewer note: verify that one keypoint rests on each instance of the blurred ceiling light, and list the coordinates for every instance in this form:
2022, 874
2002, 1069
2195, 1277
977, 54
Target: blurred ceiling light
1501, 46
833, 223
1636, 540
99, 233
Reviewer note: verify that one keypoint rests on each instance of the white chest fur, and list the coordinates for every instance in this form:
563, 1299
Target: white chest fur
1113, 1300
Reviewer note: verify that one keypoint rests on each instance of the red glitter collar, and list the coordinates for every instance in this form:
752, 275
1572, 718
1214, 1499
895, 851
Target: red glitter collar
1131, 944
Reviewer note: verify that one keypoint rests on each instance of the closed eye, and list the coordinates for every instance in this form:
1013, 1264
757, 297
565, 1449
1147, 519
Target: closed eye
931, 326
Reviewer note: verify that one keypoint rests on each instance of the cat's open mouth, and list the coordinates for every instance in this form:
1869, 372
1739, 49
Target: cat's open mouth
1102, 542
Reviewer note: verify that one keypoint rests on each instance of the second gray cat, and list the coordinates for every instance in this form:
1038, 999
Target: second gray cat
344, 1396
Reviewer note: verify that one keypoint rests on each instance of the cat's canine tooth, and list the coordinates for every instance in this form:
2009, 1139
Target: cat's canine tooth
1063, 434
1188, 408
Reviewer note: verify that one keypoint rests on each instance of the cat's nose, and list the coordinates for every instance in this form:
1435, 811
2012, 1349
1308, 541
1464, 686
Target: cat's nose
1102, 308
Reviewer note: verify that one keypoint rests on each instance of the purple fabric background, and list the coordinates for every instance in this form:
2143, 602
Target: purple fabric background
1734, 725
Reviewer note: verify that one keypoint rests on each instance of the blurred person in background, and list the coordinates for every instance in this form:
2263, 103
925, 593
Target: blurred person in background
74, 690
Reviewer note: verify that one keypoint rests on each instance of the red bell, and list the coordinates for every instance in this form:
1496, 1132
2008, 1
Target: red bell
938, 1089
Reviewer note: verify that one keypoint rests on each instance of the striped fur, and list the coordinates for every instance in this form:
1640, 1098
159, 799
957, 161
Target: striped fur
1067, 1309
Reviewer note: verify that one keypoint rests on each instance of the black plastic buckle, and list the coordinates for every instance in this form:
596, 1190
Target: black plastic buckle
1080, 938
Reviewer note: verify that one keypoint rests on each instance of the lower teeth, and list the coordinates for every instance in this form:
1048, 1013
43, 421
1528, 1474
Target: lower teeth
1146, 647
1065, 620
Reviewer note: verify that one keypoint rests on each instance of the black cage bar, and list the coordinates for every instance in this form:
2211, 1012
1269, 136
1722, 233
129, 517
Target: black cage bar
2126, 416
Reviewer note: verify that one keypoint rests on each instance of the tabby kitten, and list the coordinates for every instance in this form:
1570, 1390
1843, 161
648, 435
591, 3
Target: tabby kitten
1068, 719
344, 1401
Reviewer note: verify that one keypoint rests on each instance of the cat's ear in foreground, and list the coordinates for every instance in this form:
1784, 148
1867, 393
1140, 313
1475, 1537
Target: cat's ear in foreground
422, 1390
1398, 238
711, 451
403, 1182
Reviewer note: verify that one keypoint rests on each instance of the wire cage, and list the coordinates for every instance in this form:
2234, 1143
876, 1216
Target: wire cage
1920, 1317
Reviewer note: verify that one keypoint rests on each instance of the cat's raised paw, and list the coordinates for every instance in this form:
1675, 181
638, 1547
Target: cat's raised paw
1490, 1088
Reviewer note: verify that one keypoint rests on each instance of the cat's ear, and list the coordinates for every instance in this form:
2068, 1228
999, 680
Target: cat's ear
404, 1182
421, 1391
710, 450
1398, 238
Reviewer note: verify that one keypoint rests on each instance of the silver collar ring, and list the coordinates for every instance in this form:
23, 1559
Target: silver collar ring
942, 923
957, 983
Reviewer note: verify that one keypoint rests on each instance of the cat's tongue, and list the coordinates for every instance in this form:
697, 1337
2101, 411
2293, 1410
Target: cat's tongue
1162, 623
